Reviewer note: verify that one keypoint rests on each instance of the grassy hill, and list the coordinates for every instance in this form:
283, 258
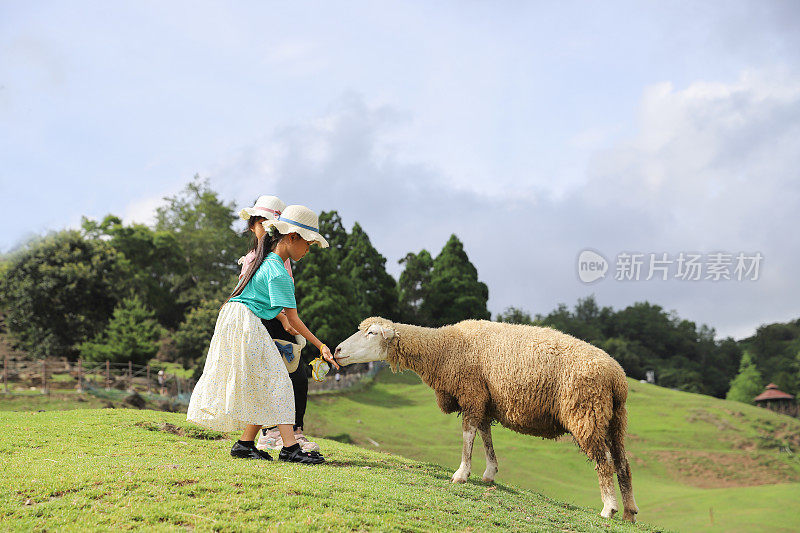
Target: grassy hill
698, 463
91, 469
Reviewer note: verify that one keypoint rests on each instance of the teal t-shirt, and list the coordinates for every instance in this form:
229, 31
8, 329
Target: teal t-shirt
270, 290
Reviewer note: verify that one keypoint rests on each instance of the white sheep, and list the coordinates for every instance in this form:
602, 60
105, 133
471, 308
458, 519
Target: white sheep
533, 380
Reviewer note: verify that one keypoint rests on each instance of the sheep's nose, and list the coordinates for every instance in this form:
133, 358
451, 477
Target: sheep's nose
338, 351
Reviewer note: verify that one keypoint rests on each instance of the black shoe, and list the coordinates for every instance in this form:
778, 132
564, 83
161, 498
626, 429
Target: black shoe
249, 452
297, 455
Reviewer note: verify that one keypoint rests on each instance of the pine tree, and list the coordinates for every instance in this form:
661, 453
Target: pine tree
413, 287
375, 291
454, 292
131, 335
324, 292
325, 299
748, 383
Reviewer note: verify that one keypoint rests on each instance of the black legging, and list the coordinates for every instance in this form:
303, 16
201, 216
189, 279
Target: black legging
298, 377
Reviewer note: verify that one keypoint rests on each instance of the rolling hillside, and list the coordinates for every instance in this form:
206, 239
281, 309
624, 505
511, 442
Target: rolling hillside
698, 462
118, 469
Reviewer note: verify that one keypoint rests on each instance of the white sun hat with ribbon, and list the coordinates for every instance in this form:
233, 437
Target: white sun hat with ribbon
266, 206
298, 219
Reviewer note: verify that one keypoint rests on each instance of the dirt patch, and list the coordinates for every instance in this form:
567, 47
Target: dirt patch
184, 482
636, 459
189, 431
701, 415
171, 428
61, 493
770, 436
789, 434
719, 470
735, 414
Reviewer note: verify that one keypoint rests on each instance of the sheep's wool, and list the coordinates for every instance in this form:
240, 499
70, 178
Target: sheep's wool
244, 380
533, 380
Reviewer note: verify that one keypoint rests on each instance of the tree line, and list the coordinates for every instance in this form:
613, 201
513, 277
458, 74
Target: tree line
644, 337
120, 292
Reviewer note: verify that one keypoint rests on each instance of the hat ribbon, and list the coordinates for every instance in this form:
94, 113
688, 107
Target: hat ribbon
290, 221
274, 212
286, 351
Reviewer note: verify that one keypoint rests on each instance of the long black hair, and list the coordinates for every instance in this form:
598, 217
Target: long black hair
251, 223
264, 246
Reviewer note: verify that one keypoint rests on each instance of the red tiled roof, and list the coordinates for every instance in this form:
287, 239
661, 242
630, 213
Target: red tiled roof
772, 393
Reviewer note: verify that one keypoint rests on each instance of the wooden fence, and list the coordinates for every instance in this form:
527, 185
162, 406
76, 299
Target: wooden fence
345, 381
48, 374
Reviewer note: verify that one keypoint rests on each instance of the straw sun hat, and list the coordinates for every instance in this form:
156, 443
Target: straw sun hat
298, 219
266, 206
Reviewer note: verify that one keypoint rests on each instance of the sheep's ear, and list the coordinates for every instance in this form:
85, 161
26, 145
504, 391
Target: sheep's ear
385, 331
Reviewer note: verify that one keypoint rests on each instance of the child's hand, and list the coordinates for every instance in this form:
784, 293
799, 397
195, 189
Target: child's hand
285, 323
326, 354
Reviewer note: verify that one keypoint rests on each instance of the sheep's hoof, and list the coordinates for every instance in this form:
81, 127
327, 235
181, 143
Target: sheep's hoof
488, 480
608, 512
457, 479
629, 516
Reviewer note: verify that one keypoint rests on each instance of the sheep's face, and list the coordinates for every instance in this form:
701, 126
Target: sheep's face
369, 343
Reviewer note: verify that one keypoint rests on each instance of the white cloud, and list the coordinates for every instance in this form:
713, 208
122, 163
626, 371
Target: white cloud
290, 51
715, 167
142, 211
504, 126
670, 188
710, 153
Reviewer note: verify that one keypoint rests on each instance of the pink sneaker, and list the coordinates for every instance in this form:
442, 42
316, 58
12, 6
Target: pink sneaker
305, 444
271, 440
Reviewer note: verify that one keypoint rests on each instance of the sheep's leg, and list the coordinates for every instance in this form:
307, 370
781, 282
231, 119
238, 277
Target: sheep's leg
617, 437
491, 458
605, 474
461, 475
590, 432
626, 486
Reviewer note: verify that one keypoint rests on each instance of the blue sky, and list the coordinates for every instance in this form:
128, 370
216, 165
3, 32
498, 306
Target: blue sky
531, 130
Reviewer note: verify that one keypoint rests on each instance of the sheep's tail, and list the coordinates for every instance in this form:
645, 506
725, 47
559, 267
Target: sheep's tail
618, 424
617, 429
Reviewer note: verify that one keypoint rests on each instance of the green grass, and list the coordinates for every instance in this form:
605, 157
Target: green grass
55, 399
20, 400
124, 469
698, 462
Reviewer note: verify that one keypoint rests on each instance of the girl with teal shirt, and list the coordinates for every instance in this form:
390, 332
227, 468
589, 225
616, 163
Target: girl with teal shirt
245, 384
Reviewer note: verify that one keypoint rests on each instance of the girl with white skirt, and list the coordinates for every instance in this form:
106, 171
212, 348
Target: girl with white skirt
245, 384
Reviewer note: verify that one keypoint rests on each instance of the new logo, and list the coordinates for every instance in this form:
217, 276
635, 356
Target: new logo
591, 266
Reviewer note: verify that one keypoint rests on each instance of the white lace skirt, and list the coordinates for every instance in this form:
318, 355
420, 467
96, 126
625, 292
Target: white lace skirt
244, 380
